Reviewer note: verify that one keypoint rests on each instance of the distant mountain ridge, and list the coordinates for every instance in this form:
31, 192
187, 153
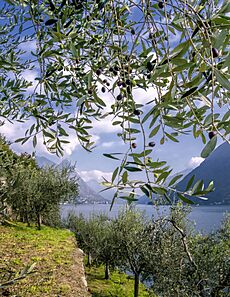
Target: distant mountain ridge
86, 194
217, 168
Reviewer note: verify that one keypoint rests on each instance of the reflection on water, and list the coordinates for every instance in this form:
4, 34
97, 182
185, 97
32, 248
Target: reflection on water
206, 218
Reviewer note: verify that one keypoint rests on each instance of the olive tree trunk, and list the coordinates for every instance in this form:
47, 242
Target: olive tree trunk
136, 284
107, 273
39, 221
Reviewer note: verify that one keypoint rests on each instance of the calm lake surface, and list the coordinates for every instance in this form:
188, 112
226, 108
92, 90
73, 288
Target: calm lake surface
206, 218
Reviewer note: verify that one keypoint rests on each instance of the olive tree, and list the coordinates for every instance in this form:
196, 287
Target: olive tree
86, 50
172, 253
10, 166
96, 236
40, 191
53, 186
211, 254
188, 264
86, 232
135, 244
106, 244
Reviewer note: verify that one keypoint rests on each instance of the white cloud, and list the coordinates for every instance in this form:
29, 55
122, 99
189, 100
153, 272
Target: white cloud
95, 175
111, 144
142, 97
104, 126
17, 130
72, 145
108, 144
195, 161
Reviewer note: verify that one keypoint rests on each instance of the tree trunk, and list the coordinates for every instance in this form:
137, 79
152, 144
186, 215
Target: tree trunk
27, 219
136, 284
39, 221
107, 274
21, 217
89, 261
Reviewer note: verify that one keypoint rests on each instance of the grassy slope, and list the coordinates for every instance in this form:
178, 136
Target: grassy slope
120, 285
58, 269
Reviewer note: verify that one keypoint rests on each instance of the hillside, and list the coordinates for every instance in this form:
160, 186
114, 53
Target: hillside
217, 168
59, 264
87, 195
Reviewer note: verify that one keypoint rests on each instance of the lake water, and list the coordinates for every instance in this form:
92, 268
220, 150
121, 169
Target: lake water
206, 218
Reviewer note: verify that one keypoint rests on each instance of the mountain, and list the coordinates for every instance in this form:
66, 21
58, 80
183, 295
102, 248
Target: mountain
43, 161
95, 185
86, 193
217, 168
108, 194
145, 200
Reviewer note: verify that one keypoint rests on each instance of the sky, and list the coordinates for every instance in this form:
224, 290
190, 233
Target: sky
180, 156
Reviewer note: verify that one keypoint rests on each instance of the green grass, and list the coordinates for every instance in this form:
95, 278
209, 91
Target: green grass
52, 250
119, 285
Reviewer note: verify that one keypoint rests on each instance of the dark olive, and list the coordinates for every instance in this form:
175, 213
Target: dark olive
152, 144
215, 52
160, 5
128, 82
90, 91
211, 134
150, 66
134, 145
98, 71
137, 112
119, 97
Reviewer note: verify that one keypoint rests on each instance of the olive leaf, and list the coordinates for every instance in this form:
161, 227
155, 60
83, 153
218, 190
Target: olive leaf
210, 146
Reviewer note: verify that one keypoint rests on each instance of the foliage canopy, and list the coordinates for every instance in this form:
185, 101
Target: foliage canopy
88, 49
165, 252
